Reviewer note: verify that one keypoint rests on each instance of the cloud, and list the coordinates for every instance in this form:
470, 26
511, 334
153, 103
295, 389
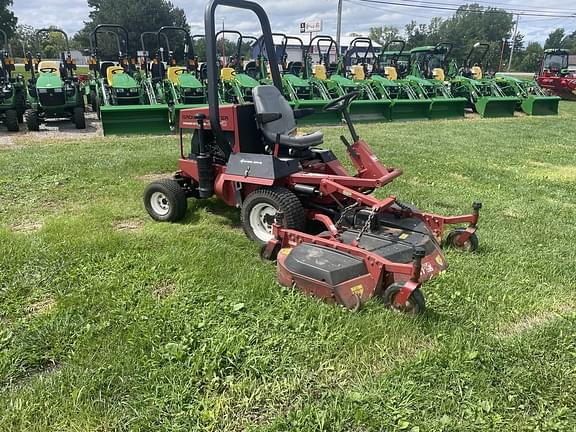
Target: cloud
285, 15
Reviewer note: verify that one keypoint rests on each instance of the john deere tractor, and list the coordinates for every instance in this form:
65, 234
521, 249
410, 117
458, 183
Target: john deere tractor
53, 90
126, 100
182, 84
482, 93
12, 89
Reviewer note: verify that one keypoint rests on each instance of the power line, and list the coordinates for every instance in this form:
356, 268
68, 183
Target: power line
453, 9
492, 5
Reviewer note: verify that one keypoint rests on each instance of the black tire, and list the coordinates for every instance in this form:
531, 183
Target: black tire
165, 201
470, 245
78, 118
280, 199
415, 305
11, 120
33, 120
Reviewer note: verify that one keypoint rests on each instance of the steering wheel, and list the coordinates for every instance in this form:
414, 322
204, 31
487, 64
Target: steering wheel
48, 70
180, 71
341, 103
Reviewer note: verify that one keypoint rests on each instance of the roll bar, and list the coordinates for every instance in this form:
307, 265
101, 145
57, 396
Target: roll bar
485, 46
211, 58
98, 29
398, 41
319, 39
188, 48
5, 42
52, 30
354, 44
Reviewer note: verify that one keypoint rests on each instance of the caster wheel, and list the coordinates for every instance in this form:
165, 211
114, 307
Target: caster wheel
165, 201
415, 304
469, 245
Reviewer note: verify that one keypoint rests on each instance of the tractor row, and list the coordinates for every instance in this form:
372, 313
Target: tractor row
143, 92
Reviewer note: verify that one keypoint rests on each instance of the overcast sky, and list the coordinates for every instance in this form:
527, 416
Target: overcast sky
286, 15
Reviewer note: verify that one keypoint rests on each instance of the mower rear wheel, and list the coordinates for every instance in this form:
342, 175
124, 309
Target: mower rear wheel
33, 120
165, 201
12, 120
79, 118
415, 304
469, 245
260, 207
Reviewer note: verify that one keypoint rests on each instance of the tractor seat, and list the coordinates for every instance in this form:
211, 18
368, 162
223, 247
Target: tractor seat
111, 71
174, 72
280, 126
47, 65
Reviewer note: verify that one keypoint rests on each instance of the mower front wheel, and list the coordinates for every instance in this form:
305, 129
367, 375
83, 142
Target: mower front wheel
12, 121
33, 120
260, 208
453, 240
415, 304
79, 118
165, 201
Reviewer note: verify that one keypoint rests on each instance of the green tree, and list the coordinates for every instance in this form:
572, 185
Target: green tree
137, 16
531, 58
555, 39
384, 34
8, 20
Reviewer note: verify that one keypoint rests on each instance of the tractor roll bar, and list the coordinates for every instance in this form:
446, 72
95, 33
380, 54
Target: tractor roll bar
111, 26
5, 42
53, 30
354, 44
398, 41
285, 40
323, 38
188, 49
485, 46
211, 58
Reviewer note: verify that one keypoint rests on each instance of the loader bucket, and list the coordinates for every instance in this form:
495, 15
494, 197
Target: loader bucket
409, 109
320, 117
446, 108
370, 110
540, 105
135, 119
491, 106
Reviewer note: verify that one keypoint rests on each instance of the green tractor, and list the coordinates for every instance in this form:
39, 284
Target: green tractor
12, 89
483, 95
182, 83
333, 74
425, 73
380, 73
236, 83
54, 90
125, 99
533, 100
300, 88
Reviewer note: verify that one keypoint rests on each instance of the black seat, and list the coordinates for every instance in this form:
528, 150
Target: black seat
276, 120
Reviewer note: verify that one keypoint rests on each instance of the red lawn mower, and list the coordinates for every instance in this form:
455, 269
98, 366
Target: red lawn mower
286, 187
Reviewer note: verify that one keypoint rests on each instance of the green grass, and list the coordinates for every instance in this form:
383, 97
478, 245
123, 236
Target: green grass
110, 321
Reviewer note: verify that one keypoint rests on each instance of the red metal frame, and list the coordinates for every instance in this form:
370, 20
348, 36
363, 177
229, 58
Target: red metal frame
334, 184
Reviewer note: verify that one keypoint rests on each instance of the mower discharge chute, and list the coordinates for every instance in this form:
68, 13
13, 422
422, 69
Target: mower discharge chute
126, 99
383, 79
53, 90
12, 89
427, 78
369, 106
483, 95
182, 84
249, 156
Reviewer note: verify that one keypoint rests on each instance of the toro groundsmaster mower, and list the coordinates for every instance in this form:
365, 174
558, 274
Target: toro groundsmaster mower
250, 157
53, 90
12, 89
554, 75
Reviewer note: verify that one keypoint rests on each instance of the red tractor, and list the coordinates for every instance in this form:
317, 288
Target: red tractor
330, 236
554, 75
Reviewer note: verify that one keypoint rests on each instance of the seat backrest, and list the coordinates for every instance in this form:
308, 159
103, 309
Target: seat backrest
47, 65
111, 71
268, 99
227, 74
358, 73
391, 73
319, 72
438, 74
476, 72
295, 67
174, 72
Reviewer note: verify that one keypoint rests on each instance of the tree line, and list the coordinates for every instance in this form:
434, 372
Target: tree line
469, 24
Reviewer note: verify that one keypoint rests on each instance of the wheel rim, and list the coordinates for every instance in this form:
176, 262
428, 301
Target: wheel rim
261, 217
409, 307
160, 204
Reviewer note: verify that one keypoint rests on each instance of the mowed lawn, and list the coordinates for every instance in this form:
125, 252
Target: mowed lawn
111, 321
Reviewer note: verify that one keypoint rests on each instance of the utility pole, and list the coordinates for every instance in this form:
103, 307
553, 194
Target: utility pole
338, 27
513, 42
